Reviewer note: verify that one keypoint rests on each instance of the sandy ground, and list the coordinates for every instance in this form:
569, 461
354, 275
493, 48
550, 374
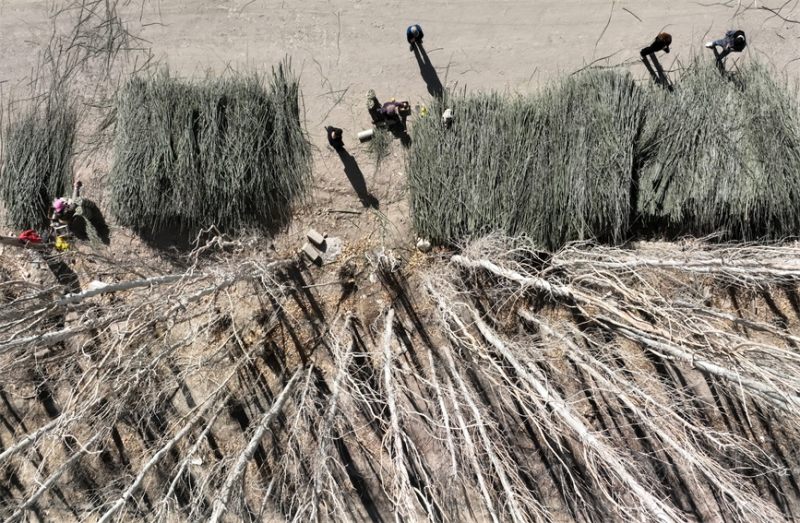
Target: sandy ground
343, 48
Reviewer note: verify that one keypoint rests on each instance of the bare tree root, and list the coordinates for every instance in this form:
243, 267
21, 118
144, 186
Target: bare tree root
625, 300
749, 372
674, 432
238, 470
593, 384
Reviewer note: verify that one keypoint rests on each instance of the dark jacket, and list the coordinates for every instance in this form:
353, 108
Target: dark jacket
661, 43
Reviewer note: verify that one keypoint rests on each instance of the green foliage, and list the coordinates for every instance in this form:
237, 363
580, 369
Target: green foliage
37, 164
556, 167
379, 145
582, 159
228, 152
722, 155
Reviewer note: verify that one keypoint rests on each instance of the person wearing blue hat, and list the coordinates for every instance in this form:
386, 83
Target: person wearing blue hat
414, 36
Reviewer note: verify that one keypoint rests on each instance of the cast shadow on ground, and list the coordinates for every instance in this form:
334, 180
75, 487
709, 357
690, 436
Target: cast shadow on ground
63, 274
400, 131
356, 178
428, 72
91, 226
174, 239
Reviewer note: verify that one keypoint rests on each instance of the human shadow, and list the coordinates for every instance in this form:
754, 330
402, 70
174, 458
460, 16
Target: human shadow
356, 178
428, 72
400, 131
63, 273
91, 225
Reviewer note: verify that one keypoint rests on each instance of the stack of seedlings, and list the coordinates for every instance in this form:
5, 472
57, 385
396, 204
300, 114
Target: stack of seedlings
228, 152
722, 155
556, 167
37, 165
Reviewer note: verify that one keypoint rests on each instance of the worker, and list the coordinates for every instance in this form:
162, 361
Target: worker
661, 43
334, 137
734, 41
64, 209
414, 36
395, 111
648, 54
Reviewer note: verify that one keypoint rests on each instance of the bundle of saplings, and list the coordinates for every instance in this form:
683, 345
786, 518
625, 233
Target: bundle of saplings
722, 156
38, 146
228, 152
556, 166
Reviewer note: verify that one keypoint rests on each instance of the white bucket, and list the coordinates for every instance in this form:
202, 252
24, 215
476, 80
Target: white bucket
365, 136
447, 116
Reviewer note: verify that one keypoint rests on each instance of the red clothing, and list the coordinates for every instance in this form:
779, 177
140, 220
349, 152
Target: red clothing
30, 236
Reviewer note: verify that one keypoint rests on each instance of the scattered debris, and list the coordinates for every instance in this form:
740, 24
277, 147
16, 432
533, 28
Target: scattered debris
321, 249
343, 211
347, 278
316, 238
332, 250
314, 254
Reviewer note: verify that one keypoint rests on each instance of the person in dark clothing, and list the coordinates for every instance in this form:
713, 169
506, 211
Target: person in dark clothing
335, 137
734, 41
414, 36
648, 54
661, 43
395, 111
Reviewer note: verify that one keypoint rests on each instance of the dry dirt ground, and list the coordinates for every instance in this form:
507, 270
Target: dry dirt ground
340, 50
343, 48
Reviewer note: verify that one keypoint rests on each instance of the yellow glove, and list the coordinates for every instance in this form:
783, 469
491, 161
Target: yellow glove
61, 244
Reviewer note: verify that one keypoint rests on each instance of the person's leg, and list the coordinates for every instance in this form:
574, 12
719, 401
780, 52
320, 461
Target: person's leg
663, 79
646, 61
721, 57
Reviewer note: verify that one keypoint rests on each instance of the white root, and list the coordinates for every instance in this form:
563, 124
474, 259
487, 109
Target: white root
125, 286
636, 330
157, 457
33, 437
49, 482
655, 507
220, 504
451, 446
747, 504
498, 464
404, 504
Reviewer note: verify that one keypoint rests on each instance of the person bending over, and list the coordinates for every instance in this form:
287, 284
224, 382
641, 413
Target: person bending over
734, 41
414, 36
